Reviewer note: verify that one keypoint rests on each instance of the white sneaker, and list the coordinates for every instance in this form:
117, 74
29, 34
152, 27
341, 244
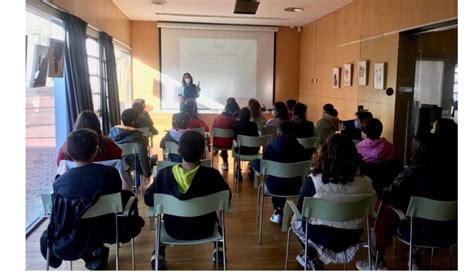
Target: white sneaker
225, 166
276, 218
311, 264
364, 265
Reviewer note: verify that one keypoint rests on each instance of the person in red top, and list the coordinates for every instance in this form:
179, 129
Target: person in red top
225, 120
108, 150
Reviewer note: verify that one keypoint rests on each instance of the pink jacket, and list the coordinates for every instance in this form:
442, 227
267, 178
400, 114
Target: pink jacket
375, 150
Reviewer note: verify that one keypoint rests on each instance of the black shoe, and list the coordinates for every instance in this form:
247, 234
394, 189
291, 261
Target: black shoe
98, 260
161, 262
218, 256
54, 261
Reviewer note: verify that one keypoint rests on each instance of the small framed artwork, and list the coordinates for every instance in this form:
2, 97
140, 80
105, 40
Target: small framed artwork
362, 72
379, 71
335, 77
347, 74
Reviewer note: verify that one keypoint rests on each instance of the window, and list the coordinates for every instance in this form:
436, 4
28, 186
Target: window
123, 64
455, 86
92, 48
41, 144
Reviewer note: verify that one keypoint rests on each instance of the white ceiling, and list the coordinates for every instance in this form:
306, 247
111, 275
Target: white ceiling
270, 12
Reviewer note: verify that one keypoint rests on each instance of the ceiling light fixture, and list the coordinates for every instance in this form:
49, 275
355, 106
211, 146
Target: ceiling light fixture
294, 9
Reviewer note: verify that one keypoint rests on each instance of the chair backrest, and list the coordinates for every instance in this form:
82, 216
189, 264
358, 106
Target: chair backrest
308, 143
267, 130
129, 148
206, 163
222, 132
163, 164
422, 207
106, 204
170, 205
171, 147
200, 130
252, 141
145, 131
342, 211
284, 170
47, 200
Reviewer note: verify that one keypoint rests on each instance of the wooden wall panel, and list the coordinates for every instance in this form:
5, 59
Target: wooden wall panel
420, 12
306, 59
145, 62
348, 23
324, 54
380, 16
287, 64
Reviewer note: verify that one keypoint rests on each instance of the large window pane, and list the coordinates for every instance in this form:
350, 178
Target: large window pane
92, 47
123, 64
40, 112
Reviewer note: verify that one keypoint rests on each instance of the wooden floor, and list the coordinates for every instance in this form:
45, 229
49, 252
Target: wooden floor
243, 250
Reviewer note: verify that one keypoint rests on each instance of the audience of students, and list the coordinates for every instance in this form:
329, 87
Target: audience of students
127, 133
186, 181
107, 150
335, 178
180, 126
329, 122
68, 236
279, 114
225, 120
144, 120
374, 148
283, 148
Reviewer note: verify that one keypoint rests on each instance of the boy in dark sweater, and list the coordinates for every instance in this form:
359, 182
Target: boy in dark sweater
186, 181
69, 237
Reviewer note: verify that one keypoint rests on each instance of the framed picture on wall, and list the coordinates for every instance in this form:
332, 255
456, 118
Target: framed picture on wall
362, 72
347, 74
335, 77
379, 71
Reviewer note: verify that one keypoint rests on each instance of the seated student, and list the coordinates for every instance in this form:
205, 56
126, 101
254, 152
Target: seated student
70, 238
180, 126
127, 133
283, 148
303, 128
373, 148
186, 181
328, 124
144, 120
191, 109
352, 128
108, 150
225, 120
426, 177
279, 114
335, 178
256, 113
290, 104
245, 127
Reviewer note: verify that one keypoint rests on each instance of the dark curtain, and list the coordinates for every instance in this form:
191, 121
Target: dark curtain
78, 87
109, 94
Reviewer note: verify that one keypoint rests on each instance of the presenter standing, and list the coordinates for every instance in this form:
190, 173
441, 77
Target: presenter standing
188, 89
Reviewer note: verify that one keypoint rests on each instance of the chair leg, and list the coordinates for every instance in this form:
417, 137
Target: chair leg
306, 245
376, 260
223, 241
345, 260
48, 255
216, 246
262, 198
431, 260
287, 247
133, 253
157, 241
117, 254
258, 206
450, 256
70, 265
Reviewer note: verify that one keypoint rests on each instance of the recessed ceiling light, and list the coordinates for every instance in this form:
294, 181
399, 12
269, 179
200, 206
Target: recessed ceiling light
294, 9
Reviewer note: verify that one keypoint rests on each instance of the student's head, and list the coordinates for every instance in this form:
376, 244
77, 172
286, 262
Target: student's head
286, 129
255, 109
180, 120
88, 119
244, 114
192, 102
232, 108
82, 145
371, 128
187, 108
251, 102
187, 79
328, 108
191, 146
299, 110
444, 128
280, 111
129, 117
140, 100
360, 116
230, 100
424, 151
138, 106
290, 104
338, 160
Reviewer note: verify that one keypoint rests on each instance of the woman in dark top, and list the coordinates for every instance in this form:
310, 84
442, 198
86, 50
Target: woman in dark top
248, 128
108, 150
188, 89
